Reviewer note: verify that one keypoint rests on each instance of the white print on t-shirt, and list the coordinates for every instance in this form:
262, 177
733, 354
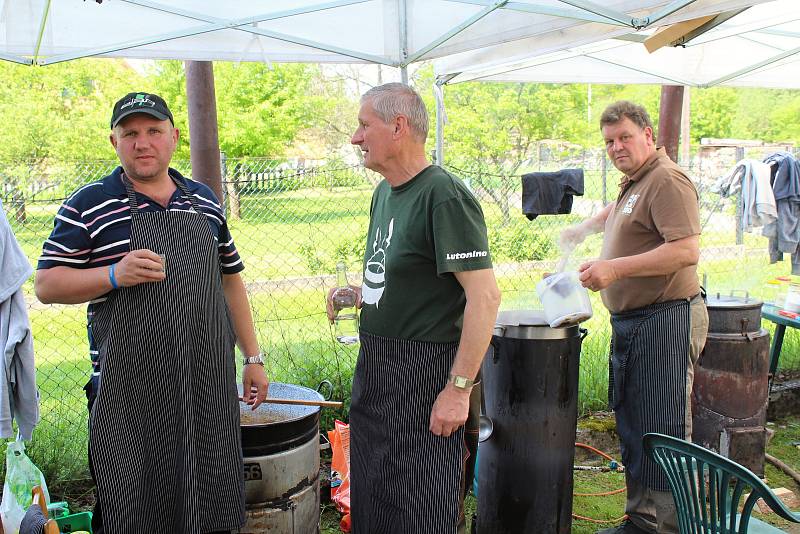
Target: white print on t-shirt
465, 255
628, 207
375, 272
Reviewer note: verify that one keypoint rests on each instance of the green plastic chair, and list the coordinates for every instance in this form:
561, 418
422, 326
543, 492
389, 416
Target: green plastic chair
708, 488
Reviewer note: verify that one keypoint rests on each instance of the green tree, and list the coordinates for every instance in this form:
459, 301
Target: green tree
712, 112
55, 114
752, 115
647, 96
260, 108
335, 92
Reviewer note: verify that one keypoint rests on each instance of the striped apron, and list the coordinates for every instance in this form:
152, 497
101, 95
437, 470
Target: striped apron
164, 435
403, 477
647, 381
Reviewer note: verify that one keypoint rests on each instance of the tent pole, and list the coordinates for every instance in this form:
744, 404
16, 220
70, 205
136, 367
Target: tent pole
403, 23
441, 116
439, 124
669, 119
42, 27
203, 137
668, 10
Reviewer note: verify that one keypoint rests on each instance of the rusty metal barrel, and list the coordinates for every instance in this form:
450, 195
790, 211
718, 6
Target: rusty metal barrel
731, 382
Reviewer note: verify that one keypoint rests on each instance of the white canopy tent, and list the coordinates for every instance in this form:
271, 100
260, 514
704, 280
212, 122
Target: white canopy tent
388, 32
756, 46
759, 47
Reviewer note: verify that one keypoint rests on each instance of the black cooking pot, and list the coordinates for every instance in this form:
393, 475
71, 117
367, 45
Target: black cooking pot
530, 391
273, 428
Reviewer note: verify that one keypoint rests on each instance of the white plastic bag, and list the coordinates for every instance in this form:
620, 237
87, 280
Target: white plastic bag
21, 476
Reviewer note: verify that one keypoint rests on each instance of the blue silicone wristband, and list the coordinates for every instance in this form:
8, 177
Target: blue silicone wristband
111, 276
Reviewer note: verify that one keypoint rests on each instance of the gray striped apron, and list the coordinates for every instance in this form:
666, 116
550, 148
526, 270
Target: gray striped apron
403, 478
647, 381
164, 435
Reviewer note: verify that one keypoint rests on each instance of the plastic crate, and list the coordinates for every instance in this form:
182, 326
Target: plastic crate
57, 509
75, 522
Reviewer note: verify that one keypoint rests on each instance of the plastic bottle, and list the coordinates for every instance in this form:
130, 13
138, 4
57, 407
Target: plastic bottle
770, 293
783, 290
792, 302
345, 318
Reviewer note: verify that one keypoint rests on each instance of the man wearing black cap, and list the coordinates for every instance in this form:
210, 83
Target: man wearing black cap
150, 251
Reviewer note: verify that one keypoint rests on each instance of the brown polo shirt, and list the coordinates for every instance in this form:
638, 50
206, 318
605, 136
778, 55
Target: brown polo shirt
657, 204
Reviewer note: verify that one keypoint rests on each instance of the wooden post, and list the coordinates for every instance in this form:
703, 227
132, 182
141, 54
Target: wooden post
203, 137
669, 119
686, 137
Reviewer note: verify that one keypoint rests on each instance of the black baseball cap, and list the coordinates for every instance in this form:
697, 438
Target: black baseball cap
141, 103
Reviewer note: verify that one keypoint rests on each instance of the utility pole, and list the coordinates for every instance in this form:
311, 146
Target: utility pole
669, 119
686, 133
203, 136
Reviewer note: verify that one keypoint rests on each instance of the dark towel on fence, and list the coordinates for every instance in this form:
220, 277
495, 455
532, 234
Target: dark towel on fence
550, 192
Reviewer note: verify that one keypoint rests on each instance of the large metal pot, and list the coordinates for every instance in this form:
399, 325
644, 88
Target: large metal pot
732, 314
530, 387
273, 428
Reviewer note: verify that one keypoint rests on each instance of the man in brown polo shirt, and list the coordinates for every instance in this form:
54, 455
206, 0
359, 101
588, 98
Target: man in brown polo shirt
647, 277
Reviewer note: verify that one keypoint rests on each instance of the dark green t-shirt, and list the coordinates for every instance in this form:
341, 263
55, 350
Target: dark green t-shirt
420, 233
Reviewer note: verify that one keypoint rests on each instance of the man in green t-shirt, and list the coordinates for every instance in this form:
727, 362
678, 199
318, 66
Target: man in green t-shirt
429, 300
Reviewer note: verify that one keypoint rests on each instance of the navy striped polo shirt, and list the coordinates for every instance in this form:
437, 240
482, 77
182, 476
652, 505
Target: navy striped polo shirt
92, 229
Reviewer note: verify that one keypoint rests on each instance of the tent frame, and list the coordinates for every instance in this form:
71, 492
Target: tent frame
584, 10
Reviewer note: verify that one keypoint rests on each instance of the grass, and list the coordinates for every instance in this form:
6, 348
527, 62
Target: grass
613, 507
784, 447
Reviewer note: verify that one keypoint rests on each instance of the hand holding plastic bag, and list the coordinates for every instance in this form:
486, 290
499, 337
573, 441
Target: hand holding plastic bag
21, 476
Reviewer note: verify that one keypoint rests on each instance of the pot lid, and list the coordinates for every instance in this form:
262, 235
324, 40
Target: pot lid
732, 302
521, 318
529, 324
269, 413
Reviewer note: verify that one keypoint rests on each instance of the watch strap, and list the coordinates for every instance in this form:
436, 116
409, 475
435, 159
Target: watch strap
257, 359
461, 382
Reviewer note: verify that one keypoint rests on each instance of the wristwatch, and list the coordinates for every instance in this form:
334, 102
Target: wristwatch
258, 358
460, 382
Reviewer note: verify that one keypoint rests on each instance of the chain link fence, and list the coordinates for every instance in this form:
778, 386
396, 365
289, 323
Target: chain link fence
292, 221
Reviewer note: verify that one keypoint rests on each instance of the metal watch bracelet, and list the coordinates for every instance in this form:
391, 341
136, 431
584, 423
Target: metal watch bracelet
258, 359
460, 382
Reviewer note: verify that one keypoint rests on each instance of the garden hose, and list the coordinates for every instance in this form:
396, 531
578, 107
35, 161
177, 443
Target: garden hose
613, 466
600, 521
783, 467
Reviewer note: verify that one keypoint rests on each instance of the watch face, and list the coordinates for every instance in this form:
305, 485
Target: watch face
460, 382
